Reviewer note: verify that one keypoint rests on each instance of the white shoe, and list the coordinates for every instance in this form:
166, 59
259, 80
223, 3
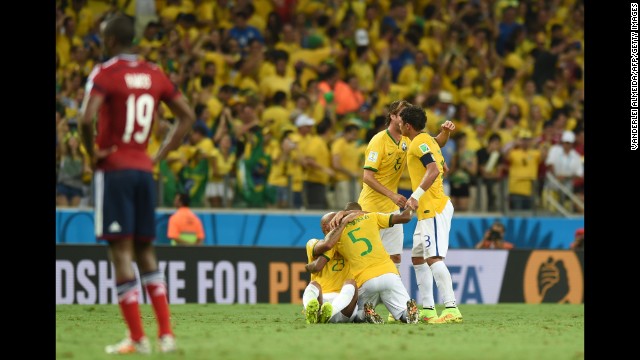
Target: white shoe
128, 346
167, 343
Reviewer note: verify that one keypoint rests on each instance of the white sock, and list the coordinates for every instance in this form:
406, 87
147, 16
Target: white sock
310, 292
424, 276
444, 283
343, 299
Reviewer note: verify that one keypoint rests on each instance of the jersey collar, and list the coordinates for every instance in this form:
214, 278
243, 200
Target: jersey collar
391, 136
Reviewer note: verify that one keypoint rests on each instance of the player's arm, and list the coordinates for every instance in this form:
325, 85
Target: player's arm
427, 180
317, 264
402, 218
445, 130
342, 213
91, 104
369, 179
185, 118
332, 237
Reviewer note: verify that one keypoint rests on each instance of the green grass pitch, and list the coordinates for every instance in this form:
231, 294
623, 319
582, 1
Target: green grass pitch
276, 332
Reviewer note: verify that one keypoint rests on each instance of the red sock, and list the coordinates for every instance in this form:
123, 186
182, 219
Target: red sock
157, 290
131, 313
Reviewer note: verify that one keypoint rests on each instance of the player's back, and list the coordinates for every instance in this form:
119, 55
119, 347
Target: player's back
361, 246
386, 158
334, 273
132, 90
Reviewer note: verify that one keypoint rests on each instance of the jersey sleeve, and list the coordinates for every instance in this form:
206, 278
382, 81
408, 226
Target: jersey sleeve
383, 220
310, 248
422, 151
373, 154
96, 82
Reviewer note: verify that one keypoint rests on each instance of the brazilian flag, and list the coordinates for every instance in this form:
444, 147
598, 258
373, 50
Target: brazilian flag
170, 184
194, 179
253, 171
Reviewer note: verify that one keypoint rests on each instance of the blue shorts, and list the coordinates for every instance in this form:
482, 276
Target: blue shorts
68, 191
125, 205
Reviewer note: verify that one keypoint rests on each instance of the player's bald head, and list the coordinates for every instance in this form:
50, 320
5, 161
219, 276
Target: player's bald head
120, 28
324, 222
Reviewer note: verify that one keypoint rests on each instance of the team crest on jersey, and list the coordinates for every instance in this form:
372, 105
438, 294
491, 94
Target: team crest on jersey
424, 148
373, 156
404, 146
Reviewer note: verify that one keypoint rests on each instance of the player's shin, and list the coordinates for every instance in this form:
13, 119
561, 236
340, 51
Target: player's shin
156, 287
424, 277
128, 300
444, 283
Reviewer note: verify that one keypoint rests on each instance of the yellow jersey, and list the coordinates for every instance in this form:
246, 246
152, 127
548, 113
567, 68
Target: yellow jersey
334, 273
362, 248
316, 147
386, 158
523, 169
434, 199
349, 157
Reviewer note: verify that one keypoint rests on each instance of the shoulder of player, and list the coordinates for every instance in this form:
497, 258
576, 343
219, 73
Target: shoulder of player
381, 135
421, 138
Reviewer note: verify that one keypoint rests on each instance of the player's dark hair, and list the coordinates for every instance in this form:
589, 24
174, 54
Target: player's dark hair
121, 28
415, 116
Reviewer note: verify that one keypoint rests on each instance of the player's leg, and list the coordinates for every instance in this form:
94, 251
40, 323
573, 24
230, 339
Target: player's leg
311, 301
439, 227
395, 297
346, 303
368, 298
152, 279
424, 276
113, 214
392, 239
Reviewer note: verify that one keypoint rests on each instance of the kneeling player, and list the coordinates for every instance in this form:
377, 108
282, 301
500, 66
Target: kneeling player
331, 295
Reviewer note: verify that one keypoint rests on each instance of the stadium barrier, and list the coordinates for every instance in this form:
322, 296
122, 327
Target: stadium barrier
243, 275
293, 229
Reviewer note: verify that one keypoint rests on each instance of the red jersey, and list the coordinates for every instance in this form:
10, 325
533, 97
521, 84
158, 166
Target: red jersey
132, 89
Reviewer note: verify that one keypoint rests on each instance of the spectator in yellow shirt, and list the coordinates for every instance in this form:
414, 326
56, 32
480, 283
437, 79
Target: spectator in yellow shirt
316, 161
345, 160
523, 163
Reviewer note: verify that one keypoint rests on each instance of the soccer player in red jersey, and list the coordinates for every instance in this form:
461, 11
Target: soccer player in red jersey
125, 92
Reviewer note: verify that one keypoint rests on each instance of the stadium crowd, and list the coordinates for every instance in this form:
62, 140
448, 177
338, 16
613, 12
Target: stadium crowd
287, 94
